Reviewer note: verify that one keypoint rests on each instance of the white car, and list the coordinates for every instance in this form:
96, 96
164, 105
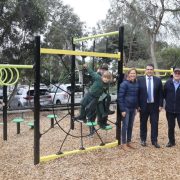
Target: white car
24, 97
61, 94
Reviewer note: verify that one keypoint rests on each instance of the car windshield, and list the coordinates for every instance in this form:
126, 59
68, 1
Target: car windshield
56, 89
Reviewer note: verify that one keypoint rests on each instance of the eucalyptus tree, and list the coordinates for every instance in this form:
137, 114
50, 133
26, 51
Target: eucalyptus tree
155, 17
63, 25
135, 40
19, 20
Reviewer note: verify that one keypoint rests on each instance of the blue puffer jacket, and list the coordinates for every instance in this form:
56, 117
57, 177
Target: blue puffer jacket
128, 95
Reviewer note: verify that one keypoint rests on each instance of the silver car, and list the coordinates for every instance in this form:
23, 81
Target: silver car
61, 93
24, 98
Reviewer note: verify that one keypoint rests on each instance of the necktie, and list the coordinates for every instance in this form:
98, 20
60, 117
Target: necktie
149, 90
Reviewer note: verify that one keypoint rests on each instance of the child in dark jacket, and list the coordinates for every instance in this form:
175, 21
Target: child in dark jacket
90, 100
128, 103
103, 107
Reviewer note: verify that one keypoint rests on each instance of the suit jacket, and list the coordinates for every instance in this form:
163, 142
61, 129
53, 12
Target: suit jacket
158, 93
172, 98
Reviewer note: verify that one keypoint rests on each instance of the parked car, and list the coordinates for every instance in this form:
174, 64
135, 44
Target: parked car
61, 94
9, 91
24, 97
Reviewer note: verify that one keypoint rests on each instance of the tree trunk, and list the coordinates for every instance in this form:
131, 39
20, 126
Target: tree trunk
79, 72
152, 49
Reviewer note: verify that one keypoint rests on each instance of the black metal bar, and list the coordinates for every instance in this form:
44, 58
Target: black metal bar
5, 113
72, 85
52, 122
36, 101
83, 71
60, 152
107, 44
107, 50
93, 63
18, 127
120, 79
82, 147
83, 57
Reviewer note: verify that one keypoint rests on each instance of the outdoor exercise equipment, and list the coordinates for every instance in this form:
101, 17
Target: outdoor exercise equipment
72, 53
9, 75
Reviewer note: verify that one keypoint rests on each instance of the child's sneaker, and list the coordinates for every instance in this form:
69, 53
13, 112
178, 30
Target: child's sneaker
111, 112
80, 119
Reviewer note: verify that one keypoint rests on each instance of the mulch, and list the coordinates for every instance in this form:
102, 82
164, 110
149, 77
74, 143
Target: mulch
17, 159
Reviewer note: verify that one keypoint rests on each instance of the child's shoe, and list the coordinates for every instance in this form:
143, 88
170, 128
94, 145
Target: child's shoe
80, 119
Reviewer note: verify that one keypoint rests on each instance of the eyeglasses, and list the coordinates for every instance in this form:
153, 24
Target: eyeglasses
177, 72
149, 69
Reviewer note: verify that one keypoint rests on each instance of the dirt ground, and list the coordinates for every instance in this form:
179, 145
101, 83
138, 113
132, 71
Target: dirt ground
16, 154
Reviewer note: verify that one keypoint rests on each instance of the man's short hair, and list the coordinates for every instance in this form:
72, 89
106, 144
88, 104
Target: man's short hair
151, 65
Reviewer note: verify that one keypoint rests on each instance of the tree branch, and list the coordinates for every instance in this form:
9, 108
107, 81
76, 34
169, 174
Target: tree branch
139, 16
160, 18
172, 10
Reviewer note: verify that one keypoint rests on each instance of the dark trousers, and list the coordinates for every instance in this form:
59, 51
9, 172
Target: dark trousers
88, 107
153, 113
171, 119
103, 108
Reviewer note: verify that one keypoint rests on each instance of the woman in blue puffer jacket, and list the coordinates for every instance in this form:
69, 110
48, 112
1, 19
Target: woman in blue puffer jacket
128, 103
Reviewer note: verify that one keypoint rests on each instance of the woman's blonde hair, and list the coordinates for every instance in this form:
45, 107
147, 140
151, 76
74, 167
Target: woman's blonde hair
132, 69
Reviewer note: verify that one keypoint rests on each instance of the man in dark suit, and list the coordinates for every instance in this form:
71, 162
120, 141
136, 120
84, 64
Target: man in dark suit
172, 97
150, 104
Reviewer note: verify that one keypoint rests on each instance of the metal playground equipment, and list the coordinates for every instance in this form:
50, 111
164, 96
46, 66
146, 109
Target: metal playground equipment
72, 53
9, 75
161, 72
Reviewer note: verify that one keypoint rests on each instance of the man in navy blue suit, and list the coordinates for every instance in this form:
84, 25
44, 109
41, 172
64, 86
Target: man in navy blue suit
150, 104
172, 97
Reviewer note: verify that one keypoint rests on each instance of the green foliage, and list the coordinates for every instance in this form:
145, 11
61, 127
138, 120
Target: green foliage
19, 20
55, 69
144, 21
63, 25
135, 44
170, 57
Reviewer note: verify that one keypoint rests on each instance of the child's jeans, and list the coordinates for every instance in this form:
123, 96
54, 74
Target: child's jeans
127, 126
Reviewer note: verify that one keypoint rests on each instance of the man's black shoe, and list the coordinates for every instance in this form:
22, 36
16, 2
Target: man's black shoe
156, 145
169, 144
143, 143
111, 112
